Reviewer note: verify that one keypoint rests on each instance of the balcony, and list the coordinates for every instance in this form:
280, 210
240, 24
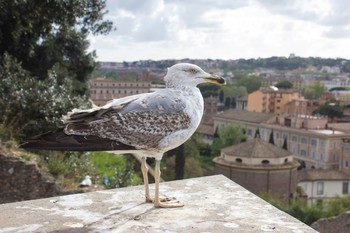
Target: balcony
212, 204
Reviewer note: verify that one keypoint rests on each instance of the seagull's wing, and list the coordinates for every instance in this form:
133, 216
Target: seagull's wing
132, 123
140, 123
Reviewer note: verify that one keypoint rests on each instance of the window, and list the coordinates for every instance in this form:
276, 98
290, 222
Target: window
313, 155
249, 131
345, 187
320, 187
265, 162
303, 140
313, 142
294, 138
346, 163
321, 157
303, 152
293, 150
321, 143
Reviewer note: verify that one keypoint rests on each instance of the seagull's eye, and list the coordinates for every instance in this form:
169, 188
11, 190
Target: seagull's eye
192, 70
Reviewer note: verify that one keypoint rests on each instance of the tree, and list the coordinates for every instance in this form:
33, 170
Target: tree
315, 91
230, 134
44, 63
285, 144
221, 96
331, 110
40, 34
252, 83
257, 133
271, 139
284, 85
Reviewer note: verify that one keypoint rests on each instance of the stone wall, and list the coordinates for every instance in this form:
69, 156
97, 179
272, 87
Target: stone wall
22, 180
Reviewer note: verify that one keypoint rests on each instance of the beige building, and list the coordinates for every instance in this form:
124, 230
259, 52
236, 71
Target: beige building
103, 89
307, 137
260, 167
321, 184
267, 100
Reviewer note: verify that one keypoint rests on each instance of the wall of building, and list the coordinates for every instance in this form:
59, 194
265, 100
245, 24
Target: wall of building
280, 183
21, 180
331, 188
103, 90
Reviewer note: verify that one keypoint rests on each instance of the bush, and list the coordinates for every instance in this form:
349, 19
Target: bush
29, 106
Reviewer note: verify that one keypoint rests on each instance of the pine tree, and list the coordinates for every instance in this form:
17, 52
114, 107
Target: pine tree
272, 140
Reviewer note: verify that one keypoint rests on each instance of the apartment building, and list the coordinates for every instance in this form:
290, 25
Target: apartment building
267, 100
103, 90
308, 137
296, 81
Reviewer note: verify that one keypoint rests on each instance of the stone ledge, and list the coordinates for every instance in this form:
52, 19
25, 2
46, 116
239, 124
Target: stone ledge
212, 204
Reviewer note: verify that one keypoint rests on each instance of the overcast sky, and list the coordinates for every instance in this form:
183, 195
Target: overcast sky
224, 29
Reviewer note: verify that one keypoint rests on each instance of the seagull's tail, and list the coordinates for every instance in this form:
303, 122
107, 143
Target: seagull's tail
60, 141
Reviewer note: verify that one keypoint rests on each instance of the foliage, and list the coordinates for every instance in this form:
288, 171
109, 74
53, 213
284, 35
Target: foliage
44, 63
228, 135
284, 85
309, 214
314, 91
29, 106
331, 110
208, 90
271, 139
115, 170
251, 83
42, 33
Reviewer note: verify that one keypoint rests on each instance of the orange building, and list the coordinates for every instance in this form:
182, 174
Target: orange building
267, 100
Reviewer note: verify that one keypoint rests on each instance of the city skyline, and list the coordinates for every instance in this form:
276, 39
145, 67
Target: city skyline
162, 29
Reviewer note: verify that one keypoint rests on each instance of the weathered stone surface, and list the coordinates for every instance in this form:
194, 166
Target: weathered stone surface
21, 180
338, 224
212, 204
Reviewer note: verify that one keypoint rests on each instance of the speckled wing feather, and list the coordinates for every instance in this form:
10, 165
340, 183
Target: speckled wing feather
141, 123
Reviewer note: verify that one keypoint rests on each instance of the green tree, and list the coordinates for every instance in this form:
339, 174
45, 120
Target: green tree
271, 139
44, 63
228, 135
315, 91
284, 85
285, 144
251, 83
331, 110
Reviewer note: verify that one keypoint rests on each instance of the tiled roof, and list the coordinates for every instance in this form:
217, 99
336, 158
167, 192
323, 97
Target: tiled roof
255, 148
321, 174
247, 116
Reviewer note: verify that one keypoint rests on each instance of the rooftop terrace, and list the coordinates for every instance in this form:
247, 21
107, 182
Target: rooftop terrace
212, 204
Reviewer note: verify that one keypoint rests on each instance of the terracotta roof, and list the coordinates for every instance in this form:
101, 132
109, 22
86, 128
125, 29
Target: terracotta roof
207, 129
255, 148
247, 116
320, 174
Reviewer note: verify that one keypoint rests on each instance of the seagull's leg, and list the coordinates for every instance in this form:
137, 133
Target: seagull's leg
157, 201
144, 170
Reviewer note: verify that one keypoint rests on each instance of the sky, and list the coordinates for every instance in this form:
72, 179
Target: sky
224, 29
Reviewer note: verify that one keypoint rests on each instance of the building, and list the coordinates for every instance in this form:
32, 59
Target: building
344, 164
301, 106
206, 127
260, 167
242, 103
321, 184
308, 137
295, 80
103, 89
267, 100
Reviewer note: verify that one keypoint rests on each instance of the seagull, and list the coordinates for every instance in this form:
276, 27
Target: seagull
146, 125
86, 182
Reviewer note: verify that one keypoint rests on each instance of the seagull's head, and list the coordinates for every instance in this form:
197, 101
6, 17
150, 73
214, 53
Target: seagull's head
185, 74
